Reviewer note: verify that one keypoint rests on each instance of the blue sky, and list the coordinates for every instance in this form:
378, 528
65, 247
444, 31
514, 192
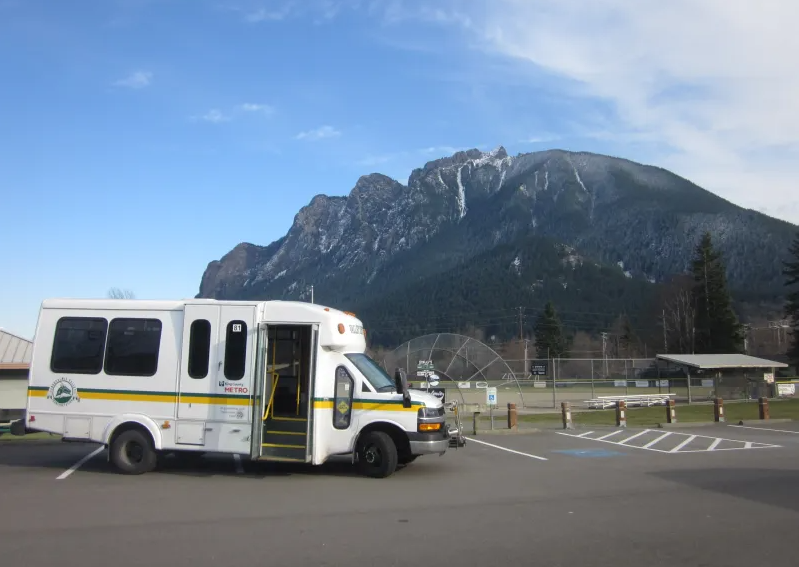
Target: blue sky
141, 139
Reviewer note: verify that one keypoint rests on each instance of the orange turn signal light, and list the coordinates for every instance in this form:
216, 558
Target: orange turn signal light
429, 426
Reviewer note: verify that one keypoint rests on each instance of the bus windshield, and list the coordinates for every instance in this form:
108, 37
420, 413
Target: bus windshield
373, 372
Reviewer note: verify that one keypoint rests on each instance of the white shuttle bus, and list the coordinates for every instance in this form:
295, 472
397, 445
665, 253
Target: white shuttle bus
267, 380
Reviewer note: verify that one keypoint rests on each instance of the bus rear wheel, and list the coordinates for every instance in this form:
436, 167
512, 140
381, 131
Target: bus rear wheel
377, 454
132, 452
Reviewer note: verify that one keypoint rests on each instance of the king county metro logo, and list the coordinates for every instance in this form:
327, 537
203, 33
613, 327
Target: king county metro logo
63, 392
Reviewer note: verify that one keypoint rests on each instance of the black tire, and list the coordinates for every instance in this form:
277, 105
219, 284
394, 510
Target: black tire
377, 455
132, 452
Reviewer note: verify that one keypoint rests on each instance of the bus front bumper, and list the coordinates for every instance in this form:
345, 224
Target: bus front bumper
429, 443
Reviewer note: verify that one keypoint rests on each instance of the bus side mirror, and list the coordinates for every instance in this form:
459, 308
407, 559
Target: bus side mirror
401, 383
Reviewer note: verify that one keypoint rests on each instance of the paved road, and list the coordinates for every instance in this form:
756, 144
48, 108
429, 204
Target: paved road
590, 502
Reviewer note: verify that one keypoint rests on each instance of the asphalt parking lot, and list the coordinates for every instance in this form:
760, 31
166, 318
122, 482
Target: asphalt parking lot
718, 495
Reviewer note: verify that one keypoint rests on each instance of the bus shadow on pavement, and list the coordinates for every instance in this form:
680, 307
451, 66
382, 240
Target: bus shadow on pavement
775, 487
57, 455
42, 454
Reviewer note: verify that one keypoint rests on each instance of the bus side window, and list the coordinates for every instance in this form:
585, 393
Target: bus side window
342, 402
133, 347
235, 350
199, 348
78, 345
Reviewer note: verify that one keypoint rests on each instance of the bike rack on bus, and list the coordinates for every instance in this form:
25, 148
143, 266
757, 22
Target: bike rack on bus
456, 438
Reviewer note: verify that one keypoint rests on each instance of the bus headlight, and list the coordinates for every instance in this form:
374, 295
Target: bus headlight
430, 420
430, 413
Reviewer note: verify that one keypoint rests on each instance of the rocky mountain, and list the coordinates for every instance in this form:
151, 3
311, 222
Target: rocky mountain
551, 223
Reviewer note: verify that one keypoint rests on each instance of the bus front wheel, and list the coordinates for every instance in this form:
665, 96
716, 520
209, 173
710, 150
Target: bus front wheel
377, 454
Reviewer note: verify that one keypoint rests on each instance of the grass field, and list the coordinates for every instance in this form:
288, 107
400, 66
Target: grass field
652, 416
4, 437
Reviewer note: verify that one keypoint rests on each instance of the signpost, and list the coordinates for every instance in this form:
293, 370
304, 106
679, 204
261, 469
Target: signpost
491, 401
539, 368
426, 368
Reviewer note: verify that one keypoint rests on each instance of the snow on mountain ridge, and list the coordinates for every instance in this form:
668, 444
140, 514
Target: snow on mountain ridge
598, 204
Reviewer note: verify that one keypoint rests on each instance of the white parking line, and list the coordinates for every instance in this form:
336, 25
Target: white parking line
239, 467
79, 464
506, 449
623, 441
611, 434
765, 429
683, 446
648, 445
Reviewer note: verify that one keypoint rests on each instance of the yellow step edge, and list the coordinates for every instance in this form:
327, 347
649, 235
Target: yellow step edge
286, 459
286, 418
270, 432
281, 446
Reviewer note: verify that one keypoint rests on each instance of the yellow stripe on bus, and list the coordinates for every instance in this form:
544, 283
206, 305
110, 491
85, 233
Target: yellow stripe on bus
375, 406
154, 397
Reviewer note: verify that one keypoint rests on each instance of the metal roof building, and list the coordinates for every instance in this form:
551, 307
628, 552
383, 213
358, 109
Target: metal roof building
728, 376
15, 363
719, 361
15, 352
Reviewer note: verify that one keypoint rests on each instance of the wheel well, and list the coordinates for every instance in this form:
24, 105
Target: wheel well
127, 426
396, 433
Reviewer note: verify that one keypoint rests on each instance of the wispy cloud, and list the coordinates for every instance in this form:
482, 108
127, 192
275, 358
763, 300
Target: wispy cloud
705, 84
319, 133
414, 156
269, 14
273, 11
214, 116
539, 139
264, 15
136, 80
259, 108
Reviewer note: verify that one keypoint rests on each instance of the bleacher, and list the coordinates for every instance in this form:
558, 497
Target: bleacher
634, 400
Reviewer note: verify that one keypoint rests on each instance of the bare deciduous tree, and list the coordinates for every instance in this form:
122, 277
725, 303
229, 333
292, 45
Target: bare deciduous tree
680, 315
117, 293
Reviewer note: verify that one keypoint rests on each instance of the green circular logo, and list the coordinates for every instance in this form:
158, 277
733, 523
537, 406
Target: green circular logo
63, 392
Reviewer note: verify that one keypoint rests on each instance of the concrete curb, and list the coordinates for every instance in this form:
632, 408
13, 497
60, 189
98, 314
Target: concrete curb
688, 424
762, 421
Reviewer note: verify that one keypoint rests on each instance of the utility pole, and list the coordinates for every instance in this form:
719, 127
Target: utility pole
747, 329
524, 369
605, 351
521, 338
665, 335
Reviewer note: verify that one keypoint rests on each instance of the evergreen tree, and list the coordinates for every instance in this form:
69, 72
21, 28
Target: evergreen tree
791, 272
716, 324
550, 340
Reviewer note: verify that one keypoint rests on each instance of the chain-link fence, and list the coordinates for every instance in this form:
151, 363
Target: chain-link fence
545, 383
466, 370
